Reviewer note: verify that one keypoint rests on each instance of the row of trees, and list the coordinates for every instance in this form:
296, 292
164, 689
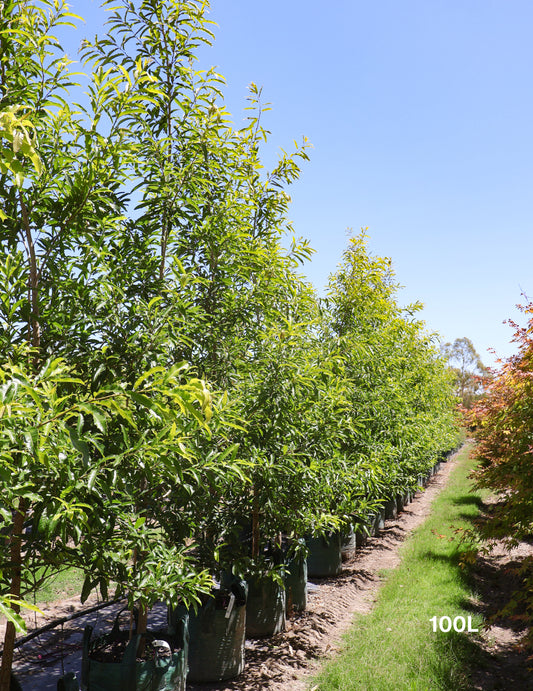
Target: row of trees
167, 377
503, 422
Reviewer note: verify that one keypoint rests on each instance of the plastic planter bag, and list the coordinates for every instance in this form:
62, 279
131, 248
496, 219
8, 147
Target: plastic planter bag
324, 558
296, 583
165, 671
265, 609
216, 635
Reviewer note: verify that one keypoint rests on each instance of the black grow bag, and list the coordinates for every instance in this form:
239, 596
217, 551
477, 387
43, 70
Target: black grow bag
348, 543
265, 607
400, 502
379, 522
391, 509
217, 635
324, 558
296, 583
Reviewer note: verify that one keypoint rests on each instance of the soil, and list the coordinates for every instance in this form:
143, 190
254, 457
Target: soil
504, 662
113, 648
286, 662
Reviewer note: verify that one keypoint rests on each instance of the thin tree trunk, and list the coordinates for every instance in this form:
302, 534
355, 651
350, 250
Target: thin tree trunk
255, 524
34, 330
15, 540
15, 550
142, 621
142, 627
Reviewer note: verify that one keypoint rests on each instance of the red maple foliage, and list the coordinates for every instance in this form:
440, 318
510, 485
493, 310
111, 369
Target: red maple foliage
503, 423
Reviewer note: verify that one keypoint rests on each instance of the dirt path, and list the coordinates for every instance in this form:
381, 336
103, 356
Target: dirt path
503, 663
286, 662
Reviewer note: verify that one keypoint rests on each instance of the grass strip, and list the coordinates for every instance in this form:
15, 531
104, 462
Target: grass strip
62, 585
394, 647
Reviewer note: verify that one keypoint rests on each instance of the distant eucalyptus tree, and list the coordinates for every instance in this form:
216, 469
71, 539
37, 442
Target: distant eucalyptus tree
470, 374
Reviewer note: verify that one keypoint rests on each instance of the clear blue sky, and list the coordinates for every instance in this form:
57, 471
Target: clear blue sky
420, 114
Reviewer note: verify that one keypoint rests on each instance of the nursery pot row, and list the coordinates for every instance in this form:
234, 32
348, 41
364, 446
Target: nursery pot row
203, 645
207, 644
324, 558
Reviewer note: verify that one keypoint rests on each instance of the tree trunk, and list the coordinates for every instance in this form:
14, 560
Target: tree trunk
34, 329
142, 626
255, 524
15, 550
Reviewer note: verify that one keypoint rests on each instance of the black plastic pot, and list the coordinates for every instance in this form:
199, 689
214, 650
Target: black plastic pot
167, 670
391, 510
371, 524
296, 584
361, 538
216, 635
265, 607
348, 544
378, 523
324, 558
362, 529
68, 682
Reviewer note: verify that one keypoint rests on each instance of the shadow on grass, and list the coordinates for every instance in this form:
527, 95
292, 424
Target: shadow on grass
488, 664
469, 500
502, 669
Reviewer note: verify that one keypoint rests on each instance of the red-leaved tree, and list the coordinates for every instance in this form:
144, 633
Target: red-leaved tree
503, 421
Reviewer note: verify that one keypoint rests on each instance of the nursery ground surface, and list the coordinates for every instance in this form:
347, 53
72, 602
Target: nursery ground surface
292, 659
425, 630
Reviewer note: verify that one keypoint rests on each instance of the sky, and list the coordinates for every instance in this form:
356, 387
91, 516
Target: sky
419, 114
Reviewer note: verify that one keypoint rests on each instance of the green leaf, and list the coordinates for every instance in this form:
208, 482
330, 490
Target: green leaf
79, 444
92, 478
146, 375
97, 415
86, 588
12, 616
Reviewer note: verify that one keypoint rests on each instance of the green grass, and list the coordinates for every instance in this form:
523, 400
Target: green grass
60, 586
394, 647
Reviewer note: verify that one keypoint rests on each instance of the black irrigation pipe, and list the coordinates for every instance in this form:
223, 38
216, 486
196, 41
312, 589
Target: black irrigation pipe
63, 620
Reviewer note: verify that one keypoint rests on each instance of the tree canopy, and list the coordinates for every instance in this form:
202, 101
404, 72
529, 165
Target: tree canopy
168, 379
